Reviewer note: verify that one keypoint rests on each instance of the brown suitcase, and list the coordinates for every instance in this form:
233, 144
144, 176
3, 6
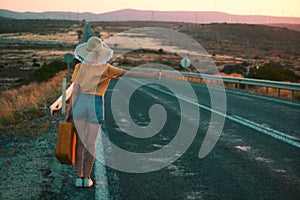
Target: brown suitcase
66, 143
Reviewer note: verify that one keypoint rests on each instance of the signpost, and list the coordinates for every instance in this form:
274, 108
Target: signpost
64, 86
185, 63
68, 58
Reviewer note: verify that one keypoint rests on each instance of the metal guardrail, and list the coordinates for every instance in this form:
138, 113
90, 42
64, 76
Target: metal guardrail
238, 82
250, 82
204, 78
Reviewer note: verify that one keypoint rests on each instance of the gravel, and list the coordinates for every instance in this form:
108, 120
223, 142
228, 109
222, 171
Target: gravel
29, 169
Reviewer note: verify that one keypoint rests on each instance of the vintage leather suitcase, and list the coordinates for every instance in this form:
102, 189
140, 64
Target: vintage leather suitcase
66, 143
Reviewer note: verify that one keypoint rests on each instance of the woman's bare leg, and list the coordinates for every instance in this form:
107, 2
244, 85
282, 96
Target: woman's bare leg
91, 142
81, 133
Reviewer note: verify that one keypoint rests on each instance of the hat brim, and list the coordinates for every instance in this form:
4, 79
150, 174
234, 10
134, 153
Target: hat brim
93, 57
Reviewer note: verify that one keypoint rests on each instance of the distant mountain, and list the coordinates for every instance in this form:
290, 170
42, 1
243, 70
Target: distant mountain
142, 15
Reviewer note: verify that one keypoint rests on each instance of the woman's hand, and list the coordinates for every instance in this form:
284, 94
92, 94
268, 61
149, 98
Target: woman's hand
157, 75
68, 114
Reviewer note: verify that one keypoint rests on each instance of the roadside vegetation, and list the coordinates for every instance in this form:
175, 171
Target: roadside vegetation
28, 101
47, 71
274, 72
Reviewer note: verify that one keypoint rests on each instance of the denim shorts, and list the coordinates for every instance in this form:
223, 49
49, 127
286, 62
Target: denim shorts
89, 108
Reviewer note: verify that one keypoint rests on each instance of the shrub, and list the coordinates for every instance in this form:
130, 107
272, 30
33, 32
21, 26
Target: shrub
47, 71
275, 72
235, 68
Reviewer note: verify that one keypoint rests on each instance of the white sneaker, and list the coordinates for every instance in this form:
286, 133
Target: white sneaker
79, 182
87, 182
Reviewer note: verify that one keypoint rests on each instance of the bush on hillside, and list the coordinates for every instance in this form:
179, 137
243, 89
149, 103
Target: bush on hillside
236, 69
48, 71
273, 71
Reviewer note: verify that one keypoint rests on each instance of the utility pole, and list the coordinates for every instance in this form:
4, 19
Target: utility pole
247, 44
218, 42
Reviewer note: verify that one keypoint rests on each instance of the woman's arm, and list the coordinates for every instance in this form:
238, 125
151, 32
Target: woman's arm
133, 74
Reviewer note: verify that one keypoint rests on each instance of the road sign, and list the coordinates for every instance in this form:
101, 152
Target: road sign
185, 63
68, 58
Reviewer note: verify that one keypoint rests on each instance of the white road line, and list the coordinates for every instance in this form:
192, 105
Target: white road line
268, 131
262, 129
101, 190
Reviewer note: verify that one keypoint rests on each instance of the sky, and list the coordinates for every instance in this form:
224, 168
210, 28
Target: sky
289, 8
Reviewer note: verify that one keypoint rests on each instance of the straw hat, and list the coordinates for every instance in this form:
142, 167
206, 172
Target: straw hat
94, 52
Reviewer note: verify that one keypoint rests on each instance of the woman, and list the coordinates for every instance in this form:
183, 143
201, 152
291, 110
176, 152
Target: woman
91, 78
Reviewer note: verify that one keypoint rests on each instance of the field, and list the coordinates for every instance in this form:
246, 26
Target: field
27, 44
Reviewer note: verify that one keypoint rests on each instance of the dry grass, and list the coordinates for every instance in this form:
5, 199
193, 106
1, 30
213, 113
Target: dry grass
68, 36
20, 104
235, 75
272, 92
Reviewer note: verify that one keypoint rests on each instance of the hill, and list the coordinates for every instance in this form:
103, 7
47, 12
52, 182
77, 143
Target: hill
147, 15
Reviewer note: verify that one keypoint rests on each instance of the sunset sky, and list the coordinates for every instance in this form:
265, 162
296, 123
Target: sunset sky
290, 8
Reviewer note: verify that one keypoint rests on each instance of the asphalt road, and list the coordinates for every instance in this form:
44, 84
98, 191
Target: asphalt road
256, 161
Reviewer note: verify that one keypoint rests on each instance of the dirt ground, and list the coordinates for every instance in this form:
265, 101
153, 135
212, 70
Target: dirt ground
29, 168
